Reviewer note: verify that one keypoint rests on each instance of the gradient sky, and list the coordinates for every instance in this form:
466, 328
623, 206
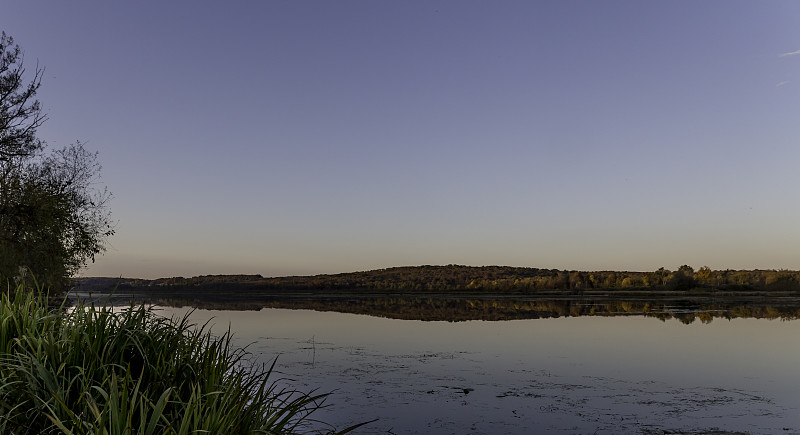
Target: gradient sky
300, 137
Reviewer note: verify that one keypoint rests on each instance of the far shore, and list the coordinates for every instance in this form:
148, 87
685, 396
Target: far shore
477, 293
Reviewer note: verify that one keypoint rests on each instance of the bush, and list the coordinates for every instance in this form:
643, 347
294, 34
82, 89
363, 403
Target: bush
91, 370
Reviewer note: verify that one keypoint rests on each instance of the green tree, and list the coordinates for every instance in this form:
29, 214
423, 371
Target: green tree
661, 276
682, 279
53, 217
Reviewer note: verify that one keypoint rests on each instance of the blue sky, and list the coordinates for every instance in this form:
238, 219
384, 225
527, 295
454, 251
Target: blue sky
301, 137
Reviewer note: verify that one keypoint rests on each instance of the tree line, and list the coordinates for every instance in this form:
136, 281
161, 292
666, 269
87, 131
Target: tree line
471, 279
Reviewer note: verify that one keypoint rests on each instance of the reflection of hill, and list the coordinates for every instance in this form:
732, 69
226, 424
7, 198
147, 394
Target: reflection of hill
455, 309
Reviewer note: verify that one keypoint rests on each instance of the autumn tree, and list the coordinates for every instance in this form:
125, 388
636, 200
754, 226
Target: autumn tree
53, 217
704, 276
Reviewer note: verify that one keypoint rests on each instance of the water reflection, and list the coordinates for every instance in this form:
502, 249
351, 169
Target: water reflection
589, 374
453, 309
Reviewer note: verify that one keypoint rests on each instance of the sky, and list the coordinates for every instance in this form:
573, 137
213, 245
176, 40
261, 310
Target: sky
308, 137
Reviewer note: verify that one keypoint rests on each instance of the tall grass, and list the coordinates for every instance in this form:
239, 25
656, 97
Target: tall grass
91, 370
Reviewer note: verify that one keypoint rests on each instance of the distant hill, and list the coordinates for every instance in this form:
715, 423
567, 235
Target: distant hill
468, 279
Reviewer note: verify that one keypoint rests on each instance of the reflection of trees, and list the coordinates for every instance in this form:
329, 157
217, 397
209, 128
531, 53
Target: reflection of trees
705, 317
454, 309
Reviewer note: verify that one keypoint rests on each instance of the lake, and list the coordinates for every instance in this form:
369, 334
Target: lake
572, 375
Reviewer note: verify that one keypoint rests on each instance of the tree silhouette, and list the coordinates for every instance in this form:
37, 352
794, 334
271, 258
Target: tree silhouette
53, 218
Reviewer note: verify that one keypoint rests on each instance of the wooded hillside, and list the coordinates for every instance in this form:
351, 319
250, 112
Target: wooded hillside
455, 278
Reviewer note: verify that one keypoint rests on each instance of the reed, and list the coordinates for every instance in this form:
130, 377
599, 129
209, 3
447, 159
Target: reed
94, 370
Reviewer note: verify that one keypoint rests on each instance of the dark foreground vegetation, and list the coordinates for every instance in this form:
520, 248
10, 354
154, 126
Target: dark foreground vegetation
94, 370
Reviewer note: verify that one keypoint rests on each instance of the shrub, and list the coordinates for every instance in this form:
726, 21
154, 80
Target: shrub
93, 370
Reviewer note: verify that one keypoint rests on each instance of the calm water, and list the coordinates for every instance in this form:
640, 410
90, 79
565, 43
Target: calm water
581, 375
